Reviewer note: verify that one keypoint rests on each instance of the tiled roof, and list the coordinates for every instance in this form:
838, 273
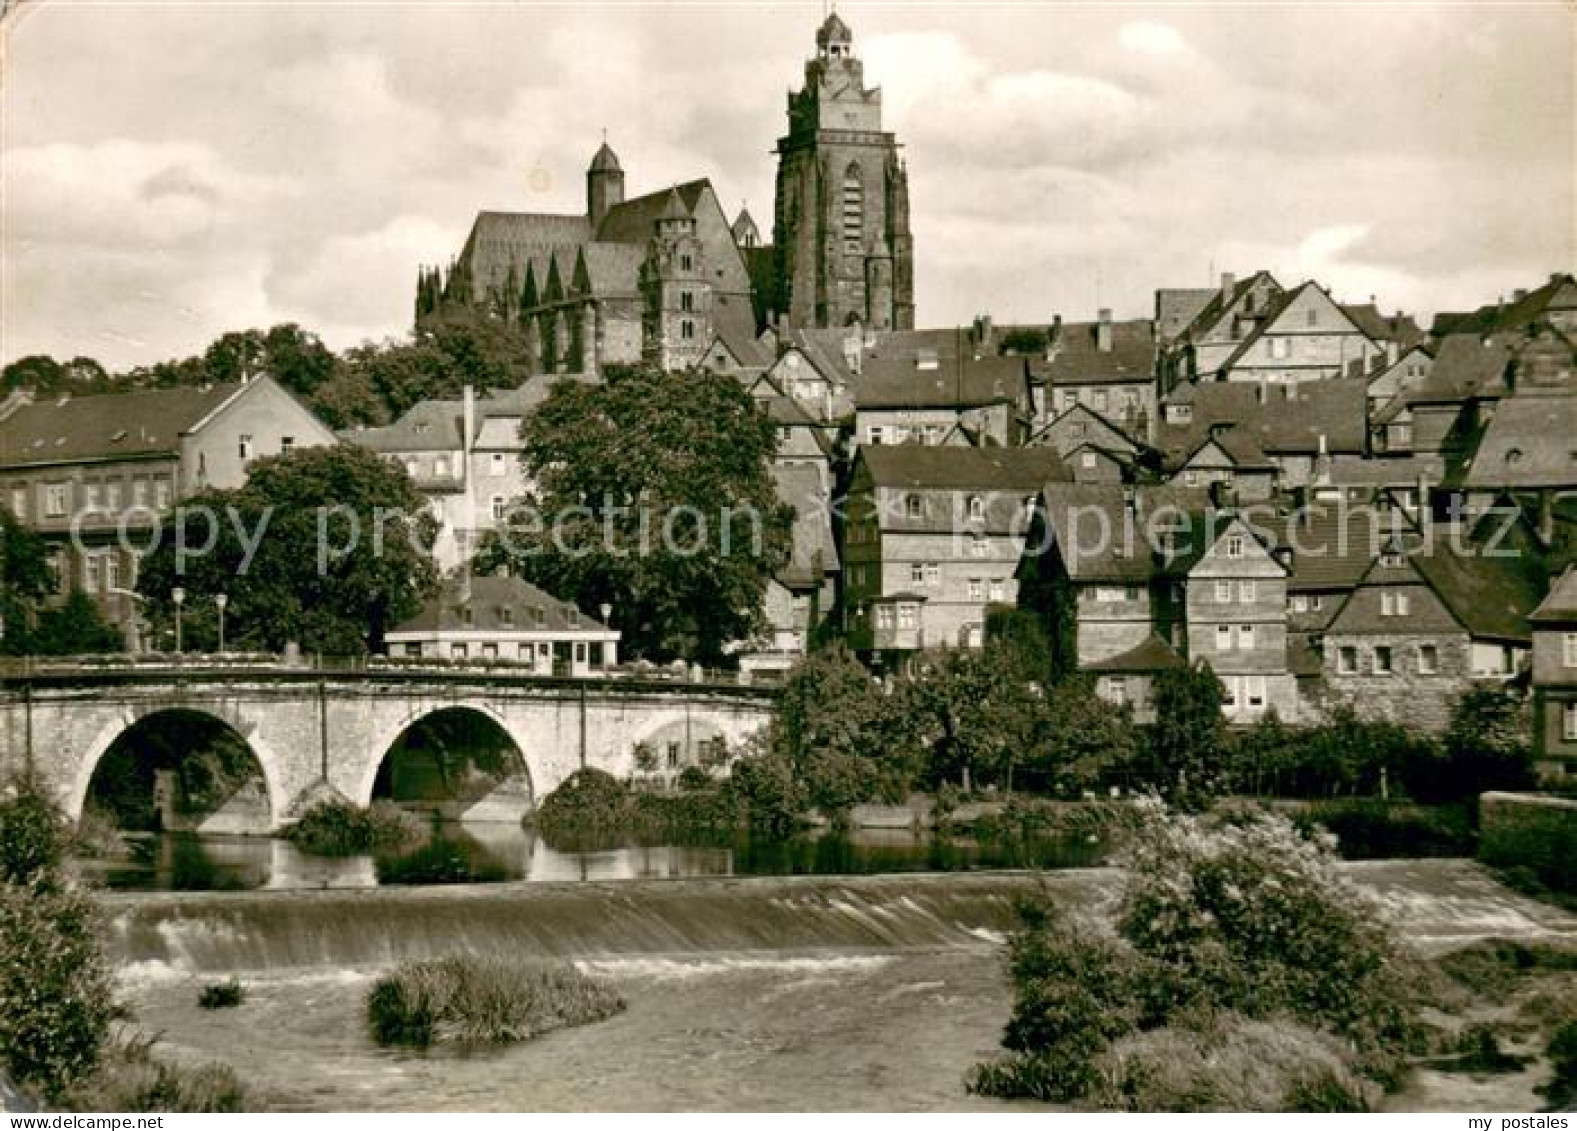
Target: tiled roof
1466, 366
1561, 603
1153, 655
747, 350
1090, 525
956, 382
1240, 447
488, 598
1333, 544
1531, 442
1023, 470
427, 426
1392, 471
1111, 435
1078, 360
1223, 302
1398, 328
147, 422
824, 350
1493, 598
800, 488
633, 220
1559, 293
1290, 421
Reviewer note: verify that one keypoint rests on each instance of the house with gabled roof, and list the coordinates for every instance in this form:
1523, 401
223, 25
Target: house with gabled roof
817, 368
1554, 303
1217, 330
902, 402
108, 465
1231, 458
1555, 680
1303, 336
1079, 426
1400, 377
1106, 366
932, 538
1423, 624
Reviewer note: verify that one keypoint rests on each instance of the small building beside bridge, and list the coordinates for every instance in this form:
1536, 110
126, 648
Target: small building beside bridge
509, 620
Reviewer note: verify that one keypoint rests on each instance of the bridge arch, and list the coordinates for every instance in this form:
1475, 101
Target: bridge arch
129, 718
385, 742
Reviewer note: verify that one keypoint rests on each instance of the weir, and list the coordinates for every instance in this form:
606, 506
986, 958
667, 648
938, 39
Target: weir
247, 932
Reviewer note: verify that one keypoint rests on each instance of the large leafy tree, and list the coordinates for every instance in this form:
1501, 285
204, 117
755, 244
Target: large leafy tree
975, 713
343, 555
24, 580
653, 495
294, 357
1188, 740
74, 628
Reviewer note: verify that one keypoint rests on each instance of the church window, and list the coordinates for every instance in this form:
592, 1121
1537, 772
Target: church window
853, 211
685, 262
686, 301
687, 330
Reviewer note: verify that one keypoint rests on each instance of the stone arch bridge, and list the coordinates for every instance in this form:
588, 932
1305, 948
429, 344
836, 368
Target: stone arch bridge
318, 733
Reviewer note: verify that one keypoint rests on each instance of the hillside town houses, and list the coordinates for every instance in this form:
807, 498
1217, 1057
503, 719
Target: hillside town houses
1312, 496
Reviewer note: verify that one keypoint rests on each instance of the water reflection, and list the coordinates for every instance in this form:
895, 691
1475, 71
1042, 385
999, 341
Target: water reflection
482, 853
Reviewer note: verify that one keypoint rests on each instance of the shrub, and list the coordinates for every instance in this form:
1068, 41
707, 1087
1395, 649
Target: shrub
221, 995
56, 991
694, 777
33, 835
338, 828
1373, 829
589, 800
767, 791
472, 1000
1561, 1091
1253, 917
131, 1078
1075, 995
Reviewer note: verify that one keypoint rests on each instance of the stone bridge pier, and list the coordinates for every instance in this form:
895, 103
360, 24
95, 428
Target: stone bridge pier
319, 735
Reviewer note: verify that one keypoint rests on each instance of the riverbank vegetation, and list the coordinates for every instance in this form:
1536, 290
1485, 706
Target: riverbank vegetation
58, 1007
476, 1000
339, 828
1243, 972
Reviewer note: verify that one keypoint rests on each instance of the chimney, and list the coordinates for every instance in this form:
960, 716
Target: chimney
1229, 283
468, 421
1103, 330
1054, 338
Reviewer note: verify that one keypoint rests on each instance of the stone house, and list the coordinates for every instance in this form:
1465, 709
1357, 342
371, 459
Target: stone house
1230, 458
1303, 336
1217, 329
1422, 625
1555, 679
117, 461
933, 538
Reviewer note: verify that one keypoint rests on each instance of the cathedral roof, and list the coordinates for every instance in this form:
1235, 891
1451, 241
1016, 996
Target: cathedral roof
833, 30
500, 240
632, 220
605, 161
610, 268
673, 207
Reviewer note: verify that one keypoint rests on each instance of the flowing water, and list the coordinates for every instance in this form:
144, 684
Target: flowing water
773, 992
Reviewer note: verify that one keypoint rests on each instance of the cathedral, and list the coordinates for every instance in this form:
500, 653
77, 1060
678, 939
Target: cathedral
661, 277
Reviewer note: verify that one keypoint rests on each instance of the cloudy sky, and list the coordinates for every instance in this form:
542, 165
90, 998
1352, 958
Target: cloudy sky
174, 170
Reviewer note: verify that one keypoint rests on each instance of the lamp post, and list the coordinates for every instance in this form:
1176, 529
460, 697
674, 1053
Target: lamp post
221, 600
178, 595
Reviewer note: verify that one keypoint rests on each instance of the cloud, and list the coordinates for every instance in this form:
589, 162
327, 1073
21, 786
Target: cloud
1149, 37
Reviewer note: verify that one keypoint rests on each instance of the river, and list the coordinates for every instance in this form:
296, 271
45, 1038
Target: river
776, 993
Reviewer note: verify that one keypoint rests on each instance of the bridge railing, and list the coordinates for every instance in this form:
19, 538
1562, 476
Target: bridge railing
194, 663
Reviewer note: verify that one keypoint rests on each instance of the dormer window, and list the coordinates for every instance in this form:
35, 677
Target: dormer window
912, 506
977, 509
1514, 457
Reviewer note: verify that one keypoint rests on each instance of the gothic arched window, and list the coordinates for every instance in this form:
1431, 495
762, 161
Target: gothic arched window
853, 210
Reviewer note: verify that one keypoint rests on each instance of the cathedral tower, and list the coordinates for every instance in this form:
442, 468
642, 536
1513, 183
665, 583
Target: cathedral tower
843, 252
604, 185
676, 295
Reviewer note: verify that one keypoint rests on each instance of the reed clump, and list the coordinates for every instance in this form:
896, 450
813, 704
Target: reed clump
475, 1000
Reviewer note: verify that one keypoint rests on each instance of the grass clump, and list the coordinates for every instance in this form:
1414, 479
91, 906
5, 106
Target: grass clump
338, 828
129, 1077
470, 1000
221, 995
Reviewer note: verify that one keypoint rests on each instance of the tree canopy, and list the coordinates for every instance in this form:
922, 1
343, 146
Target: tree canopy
652, 495
327, 547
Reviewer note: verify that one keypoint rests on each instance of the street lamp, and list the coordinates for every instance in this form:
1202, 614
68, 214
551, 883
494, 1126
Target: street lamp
178, 595
221, 600
607, 611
